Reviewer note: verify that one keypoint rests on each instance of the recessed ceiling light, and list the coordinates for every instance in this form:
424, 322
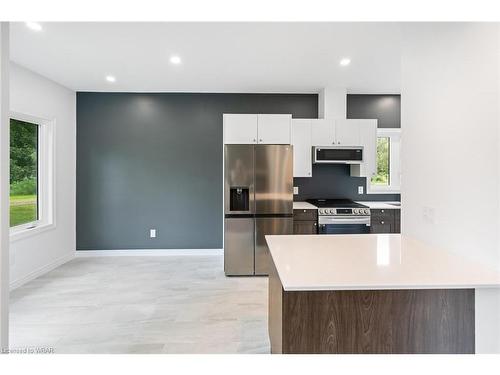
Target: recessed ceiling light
175, 60
345, 61
110, 78
35, 26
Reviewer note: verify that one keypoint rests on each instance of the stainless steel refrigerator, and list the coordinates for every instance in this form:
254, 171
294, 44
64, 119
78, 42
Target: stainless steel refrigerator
258, 200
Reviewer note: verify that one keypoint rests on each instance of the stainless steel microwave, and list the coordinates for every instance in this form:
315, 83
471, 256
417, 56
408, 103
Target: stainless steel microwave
338, 154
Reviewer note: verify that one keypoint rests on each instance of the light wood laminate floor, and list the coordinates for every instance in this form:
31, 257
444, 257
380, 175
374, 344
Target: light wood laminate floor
164, 304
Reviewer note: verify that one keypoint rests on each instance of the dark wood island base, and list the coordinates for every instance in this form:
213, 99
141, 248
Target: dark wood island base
400, 321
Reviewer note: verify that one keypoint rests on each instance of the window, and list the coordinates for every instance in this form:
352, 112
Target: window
23, 172
30, 174
382, 176
387, 175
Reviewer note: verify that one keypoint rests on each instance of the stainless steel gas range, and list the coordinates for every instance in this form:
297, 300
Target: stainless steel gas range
341, 216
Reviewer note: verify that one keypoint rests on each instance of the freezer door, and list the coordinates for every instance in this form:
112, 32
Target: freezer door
239, 246
264, 226
273, 179
239, 179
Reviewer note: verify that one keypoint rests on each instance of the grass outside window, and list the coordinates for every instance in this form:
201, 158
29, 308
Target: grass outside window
382, 178
23, 172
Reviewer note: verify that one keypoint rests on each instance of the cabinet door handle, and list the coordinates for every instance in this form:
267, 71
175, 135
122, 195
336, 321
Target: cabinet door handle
382, 222
304, 210
260, 140
254, 140
314, 224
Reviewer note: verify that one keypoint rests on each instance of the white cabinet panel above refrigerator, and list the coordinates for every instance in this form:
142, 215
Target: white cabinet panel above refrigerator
274, 129
257, 128
240, 128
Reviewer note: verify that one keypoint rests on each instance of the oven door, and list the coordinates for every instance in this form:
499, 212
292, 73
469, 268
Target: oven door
344, 224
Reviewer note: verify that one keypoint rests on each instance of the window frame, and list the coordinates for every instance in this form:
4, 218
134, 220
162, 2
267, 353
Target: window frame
45, 177
394, 187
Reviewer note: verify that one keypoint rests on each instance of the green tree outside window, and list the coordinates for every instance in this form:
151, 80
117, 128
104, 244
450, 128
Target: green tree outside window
383, 162
23, 172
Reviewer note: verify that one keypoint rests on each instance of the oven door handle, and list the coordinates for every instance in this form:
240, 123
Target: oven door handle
344, 220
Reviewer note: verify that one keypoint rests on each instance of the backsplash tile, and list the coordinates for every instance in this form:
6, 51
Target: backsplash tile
335, 181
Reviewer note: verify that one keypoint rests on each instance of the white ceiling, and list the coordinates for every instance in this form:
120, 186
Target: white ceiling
216, 57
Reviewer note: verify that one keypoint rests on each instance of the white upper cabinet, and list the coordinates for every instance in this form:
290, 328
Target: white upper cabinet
368, 139
274, 129
347, 133
335, 132
322, 132
240, 128
253, 129
302, 152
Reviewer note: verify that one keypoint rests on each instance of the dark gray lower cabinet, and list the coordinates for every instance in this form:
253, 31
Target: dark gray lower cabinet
305, 221
397, 221
382, 227
385, 221
305, 227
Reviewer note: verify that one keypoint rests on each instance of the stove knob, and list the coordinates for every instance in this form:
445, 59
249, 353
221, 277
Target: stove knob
320, 212
367, 211
332, 211
355, 211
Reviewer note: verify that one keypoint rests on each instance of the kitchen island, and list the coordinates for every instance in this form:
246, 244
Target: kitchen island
375, 293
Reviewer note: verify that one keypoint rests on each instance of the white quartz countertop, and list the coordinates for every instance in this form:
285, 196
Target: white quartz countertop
380, 205
371, 261
373, 205
303, 206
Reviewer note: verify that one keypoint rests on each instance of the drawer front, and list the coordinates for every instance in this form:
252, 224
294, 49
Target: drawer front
386, 215
381, 227
309, 214
305, 227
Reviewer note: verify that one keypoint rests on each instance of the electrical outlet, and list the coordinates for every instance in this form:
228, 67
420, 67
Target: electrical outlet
295, 190
361, 190
152, 233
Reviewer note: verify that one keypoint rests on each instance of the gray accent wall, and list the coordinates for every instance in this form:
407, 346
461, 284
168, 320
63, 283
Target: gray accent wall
155, 161
385, 108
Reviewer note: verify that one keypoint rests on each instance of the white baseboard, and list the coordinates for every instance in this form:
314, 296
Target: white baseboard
40, 271
148, 252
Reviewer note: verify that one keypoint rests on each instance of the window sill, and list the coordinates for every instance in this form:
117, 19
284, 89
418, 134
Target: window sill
23, 233
383, 191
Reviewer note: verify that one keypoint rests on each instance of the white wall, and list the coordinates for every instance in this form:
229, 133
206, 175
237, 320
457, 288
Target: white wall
450, 140
4, 185
34, 95
332, 103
